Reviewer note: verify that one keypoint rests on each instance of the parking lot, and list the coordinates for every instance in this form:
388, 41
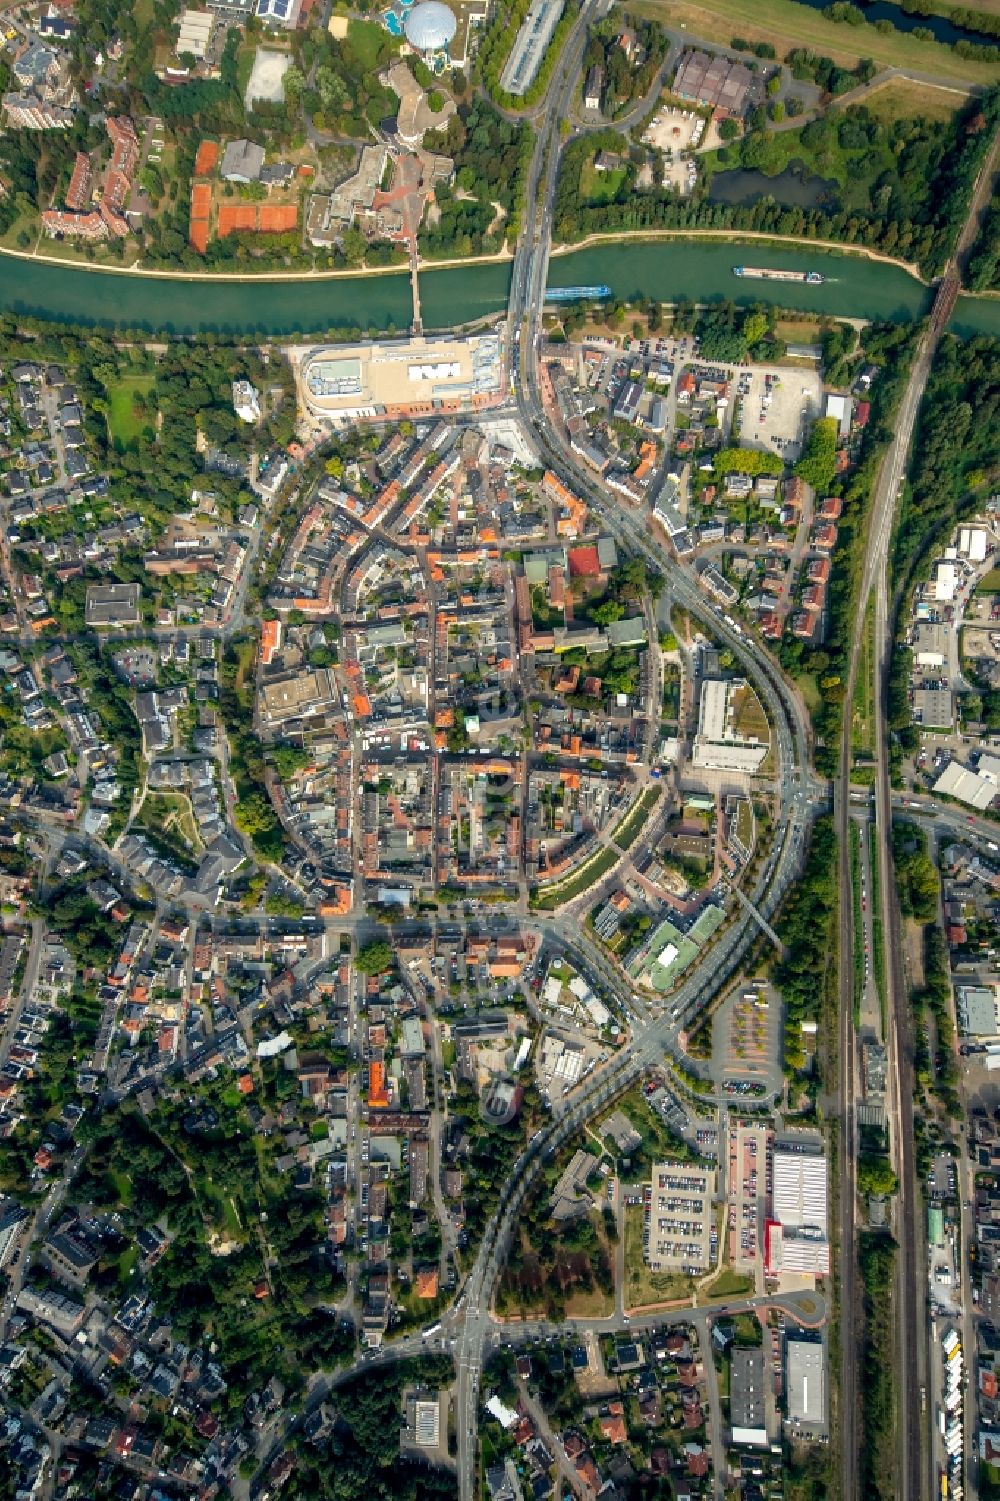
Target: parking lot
675, 130
777, 408
748, 1191
746, 1039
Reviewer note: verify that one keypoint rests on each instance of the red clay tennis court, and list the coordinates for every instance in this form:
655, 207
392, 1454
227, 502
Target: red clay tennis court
236, 216
275, 218
201, 200
206, 159
198, 235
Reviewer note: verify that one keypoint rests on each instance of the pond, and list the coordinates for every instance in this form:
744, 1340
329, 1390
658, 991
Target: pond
883, 10
793, 188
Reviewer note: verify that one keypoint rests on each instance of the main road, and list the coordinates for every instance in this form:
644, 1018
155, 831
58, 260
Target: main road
798, 791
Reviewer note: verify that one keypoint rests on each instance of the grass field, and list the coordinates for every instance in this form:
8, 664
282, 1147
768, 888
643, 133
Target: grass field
799, 330
787, 24
902, 99
600, 187
548, 897
169, 815
809, 688
984, 7
592, 1304
863, 705
366, 39
729, 1284
244, 66
125, 424
643, 1287
628, 830
989, 583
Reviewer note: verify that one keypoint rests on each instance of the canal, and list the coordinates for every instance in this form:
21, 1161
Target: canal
666, 269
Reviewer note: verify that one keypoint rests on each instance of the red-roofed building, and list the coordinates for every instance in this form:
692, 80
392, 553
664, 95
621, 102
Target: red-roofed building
81, 184
584, 563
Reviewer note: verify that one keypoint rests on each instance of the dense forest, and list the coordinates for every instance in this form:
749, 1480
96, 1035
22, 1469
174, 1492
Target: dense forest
984, 262
196, 1170
918, 178
805, 927
491, 156
957, 443
361, 1460
878, 1474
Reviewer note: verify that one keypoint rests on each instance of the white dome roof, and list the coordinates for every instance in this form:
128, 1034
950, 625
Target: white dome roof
429, 26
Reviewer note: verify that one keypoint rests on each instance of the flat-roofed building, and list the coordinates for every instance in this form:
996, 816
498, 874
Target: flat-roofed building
112, 605
416, 377
932, 708
795, 1239
805, 1383
530, 44
328, 214
427, 1424
748, 1422
195, 33
800, 1188
967, 786
301, 696
733, 733
977, 1010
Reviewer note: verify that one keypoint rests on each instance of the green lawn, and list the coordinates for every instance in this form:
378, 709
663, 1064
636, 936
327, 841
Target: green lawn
125, 423
863, 706
809, 688
545, 898
729, 1284
600, 187
628, 830
902, 99
989, 583
366, 39
223, 1205
244, 66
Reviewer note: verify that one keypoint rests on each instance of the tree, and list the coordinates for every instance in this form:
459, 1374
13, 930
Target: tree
375, 958
254, 815
818, 464
609, 611
729, 129
875, 1176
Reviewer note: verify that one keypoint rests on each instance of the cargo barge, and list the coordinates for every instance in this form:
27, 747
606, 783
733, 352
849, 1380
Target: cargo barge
764, 273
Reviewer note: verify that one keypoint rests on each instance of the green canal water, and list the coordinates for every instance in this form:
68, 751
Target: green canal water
700, 271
